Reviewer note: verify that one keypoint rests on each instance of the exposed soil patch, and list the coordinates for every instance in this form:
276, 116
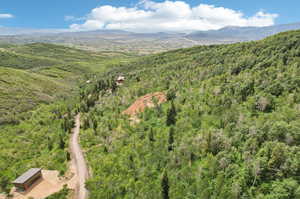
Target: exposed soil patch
146, 101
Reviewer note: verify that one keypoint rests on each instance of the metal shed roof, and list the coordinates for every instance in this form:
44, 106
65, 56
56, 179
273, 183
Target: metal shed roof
27, 175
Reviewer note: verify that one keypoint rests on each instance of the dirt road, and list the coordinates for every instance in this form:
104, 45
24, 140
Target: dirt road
79, 162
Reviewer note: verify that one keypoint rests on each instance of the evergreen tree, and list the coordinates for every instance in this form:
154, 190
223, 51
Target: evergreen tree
50, 145
165, 186
171, 95
95, 125
171, 139
171, 115
68, 156
61, 142
151, 136
113, 86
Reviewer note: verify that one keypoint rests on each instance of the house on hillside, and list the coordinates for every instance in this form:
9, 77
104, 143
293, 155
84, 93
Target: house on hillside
120, 80
27, 179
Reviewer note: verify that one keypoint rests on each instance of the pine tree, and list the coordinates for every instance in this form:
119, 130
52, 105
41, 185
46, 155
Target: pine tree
105, 150
113, 85
171, 139
61, 142
68, 156
151, 136
171, 115
171, 94
165, 186
50, 145
95, 125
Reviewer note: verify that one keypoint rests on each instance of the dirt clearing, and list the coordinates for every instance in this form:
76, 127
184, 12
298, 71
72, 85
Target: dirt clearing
146, 101
50, 183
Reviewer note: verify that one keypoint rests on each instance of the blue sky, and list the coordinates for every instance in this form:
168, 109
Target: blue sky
52, 13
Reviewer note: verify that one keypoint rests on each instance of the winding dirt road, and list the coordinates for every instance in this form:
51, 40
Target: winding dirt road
78, 161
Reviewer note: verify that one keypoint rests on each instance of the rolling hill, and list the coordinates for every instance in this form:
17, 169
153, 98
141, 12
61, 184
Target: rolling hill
238, 34
41, 73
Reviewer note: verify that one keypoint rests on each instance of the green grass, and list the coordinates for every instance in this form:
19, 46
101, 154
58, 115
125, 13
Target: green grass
22, 90
41, 55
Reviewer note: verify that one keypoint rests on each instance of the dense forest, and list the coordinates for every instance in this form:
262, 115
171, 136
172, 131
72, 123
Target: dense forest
230, 127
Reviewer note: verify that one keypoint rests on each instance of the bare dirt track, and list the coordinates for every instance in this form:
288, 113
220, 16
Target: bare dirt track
79, 162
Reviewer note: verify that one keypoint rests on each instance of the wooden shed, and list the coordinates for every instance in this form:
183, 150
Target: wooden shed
26, 180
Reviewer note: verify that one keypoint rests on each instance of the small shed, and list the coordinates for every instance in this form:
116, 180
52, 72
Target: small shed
27, 179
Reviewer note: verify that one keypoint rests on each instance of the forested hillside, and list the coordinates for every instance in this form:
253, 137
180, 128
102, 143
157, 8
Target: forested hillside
230, 127
41, 73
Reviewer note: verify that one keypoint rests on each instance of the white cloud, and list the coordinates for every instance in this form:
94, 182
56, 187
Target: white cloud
6, 16
150, 16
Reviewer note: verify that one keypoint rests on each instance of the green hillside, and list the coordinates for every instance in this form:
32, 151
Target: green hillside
35, 73
230, 128
38, 93
40, 55
21, 90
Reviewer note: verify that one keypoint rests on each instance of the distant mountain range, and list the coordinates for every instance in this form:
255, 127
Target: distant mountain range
235, 34
104, 40
5, 31
139, 43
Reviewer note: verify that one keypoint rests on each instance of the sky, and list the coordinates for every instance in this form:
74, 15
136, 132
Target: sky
146, 15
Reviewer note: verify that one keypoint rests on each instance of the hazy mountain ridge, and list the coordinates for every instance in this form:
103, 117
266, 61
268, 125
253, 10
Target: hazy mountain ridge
140, 43
6, 31
107, 40
233, 33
